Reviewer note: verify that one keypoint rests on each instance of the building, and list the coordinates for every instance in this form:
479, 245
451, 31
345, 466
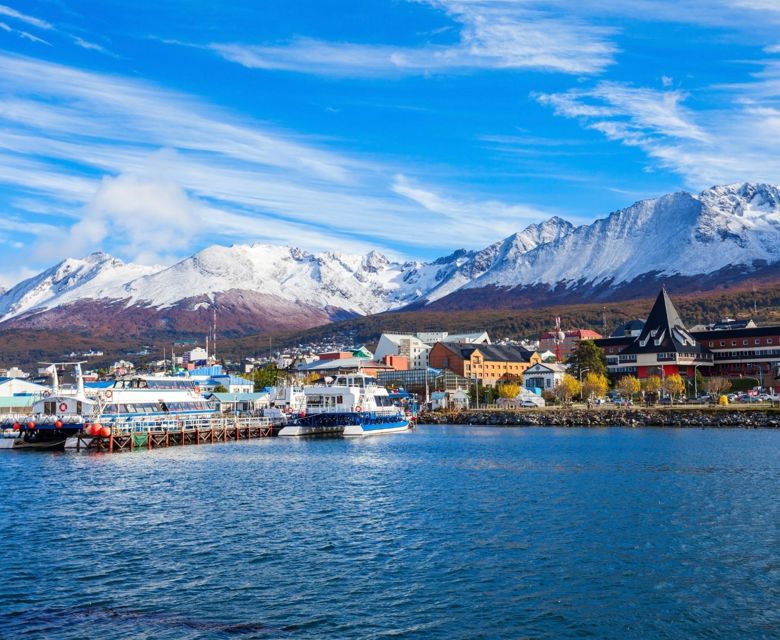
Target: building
543, 376
749, 351
487, 363
548, 341
432, 337
418, 380
663, 347
195, 356
402, 344
233, 384
10, 387
457, 400
333, 366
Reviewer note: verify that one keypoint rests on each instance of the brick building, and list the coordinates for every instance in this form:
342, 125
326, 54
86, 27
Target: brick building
488, 363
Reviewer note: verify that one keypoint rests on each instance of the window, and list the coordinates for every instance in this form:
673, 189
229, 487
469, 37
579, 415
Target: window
757, 341
733, 343
722, 343
712, 344
769, 340
745, 342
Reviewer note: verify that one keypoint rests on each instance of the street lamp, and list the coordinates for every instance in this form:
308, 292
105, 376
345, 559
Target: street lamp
581, 372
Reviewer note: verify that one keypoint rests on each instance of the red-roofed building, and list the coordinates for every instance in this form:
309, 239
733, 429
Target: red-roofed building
547, 341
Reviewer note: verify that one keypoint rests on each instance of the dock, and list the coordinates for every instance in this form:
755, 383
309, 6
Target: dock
147, 435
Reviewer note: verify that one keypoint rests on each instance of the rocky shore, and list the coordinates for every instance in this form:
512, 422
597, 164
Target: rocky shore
639, 417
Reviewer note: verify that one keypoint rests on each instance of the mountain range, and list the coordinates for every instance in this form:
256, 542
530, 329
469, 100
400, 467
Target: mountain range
719, 237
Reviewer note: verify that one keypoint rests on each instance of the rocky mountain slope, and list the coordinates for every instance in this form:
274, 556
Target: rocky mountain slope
690, 241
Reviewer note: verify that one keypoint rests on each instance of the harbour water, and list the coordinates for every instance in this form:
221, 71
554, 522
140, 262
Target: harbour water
445, 532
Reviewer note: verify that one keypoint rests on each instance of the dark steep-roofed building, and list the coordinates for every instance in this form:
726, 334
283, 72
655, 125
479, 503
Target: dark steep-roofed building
663, 347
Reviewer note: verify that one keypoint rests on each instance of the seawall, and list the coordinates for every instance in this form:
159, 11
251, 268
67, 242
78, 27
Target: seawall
639, 417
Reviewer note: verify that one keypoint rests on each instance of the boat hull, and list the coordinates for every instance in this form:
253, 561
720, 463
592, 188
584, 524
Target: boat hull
302, 431
319, 424
368, 428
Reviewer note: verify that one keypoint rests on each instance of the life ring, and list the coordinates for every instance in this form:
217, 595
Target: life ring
109, 394
46, 393
197, 389
358, 409
63, 406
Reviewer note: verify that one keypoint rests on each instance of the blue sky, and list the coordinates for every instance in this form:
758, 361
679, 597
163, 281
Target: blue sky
151, 130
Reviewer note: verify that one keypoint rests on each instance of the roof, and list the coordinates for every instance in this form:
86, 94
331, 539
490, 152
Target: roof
231, 379
99, 384
664, 331
752, 332
214, 370
6, 380
342, 363
627, 328
490, 352
473, 337
553, 367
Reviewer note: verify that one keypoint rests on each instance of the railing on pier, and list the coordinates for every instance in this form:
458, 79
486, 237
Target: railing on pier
151, 433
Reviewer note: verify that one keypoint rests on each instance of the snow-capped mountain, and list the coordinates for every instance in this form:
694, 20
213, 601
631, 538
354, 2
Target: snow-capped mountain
719, 235
677, 234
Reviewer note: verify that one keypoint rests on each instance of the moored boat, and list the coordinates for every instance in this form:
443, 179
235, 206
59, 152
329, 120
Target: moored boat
349, 405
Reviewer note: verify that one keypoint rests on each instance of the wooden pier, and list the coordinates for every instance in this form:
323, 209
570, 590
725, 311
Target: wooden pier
129, 437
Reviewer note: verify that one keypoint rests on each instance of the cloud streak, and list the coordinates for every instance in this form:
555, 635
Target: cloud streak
732, 143
494, 34
82, 143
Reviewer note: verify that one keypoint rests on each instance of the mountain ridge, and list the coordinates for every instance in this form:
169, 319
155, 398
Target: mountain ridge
720, 236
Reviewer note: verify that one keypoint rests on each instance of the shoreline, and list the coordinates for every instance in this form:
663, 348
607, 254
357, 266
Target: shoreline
748, 418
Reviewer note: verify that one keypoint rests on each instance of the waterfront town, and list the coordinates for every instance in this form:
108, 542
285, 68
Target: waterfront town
657, 358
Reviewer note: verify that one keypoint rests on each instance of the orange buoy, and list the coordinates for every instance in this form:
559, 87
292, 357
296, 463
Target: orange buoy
31, 425
58, 424
95, 429
105, 432
17, 426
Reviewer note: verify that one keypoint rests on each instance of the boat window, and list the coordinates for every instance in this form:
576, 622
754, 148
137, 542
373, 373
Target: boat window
50, 408
78, 406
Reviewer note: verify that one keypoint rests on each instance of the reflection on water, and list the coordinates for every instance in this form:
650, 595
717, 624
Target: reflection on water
447, 532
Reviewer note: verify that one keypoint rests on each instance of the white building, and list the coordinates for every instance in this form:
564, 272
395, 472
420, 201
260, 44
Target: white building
400, 344
544, 375
10, 387
198, 354
432, 337
457, 400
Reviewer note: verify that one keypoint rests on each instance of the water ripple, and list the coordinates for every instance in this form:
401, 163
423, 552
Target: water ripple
448, 532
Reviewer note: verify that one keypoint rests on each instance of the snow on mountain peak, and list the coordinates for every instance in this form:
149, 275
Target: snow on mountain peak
678, 233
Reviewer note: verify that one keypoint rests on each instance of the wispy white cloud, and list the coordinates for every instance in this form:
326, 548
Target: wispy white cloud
127, 161
732, 143
494, 34
489, 220
29, 36
90, 46
22, 17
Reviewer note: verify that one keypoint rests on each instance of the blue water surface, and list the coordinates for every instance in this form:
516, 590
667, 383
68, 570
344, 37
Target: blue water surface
445, 532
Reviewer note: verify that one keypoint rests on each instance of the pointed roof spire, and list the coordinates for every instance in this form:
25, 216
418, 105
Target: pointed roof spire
664, 331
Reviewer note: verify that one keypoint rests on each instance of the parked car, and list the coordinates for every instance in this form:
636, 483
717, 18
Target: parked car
623, 402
